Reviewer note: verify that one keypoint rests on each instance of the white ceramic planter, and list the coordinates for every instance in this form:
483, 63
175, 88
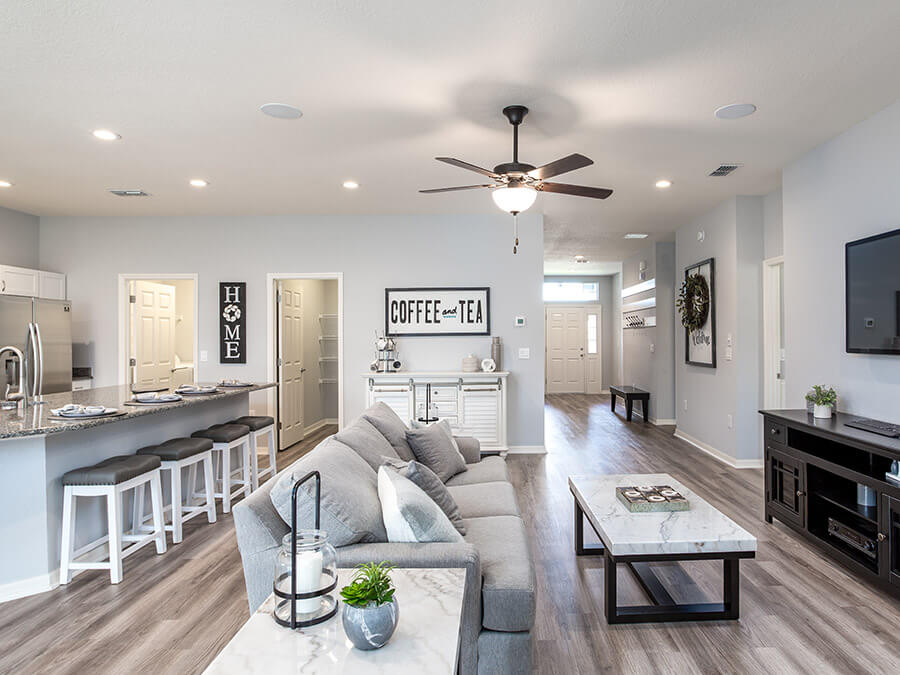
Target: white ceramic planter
822, 412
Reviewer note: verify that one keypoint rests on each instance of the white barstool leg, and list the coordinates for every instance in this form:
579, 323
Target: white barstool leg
254, 469
67, 547
226, 477
273, 451
176, 503
159, 523
114, 523
137, 509
192, 484
210, 487
249, 467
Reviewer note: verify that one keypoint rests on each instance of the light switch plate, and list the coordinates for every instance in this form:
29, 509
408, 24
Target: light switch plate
520, 321
730, 422
204, 356
729, 353
524, 353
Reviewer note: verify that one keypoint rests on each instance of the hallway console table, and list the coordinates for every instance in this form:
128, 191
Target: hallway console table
630, 395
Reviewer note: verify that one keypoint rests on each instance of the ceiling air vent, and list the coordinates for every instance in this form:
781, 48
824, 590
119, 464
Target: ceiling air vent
725, 169
129, 193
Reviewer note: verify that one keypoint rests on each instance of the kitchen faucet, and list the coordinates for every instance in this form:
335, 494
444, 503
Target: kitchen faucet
21, 394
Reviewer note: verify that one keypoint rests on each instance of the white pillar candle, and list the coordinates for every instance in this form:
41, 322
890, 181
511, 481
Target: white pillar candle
309, 578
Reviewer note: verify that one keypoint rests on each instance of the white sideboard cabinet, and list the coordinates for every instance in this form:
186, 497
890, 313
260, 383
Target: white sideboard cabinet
473, 403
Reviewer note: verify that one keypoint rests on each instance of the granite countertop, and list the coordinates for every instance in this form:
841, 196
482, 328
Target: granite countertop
36, 419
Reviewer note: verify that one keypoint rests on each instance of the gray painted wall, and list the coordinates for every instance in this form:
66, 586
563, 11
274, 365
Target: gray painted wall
773, 224
841, 191
19, 234
609, 345
424, 251
734, 237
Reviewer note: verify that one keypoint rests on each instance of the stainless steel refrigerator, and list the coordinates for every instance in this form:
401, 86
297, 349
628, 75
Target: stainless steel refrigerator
42, 329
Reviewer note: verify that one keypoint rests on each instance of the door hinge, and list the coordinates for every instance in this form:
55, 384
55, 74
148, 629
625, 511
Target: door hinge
279, 363
132, 362
278, 296
279, 426
132, 299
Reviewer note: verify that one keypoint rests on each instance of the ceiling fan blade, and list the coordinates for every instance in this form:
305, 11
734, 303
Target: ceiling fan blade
563, 165
577, 190
454, 189
465, 165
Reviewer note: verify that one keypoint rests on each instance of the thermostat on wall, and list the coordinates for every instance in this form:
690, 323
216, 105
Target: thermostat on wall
520, 321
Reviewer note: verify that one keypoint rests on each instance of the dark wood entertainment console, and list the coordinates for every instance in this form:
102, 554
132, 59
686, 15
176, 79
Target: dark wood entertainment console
812, 471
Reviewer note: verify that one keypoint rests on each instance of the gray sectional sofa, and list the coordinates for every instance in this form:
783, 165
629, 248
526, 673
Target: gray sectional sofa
499, 602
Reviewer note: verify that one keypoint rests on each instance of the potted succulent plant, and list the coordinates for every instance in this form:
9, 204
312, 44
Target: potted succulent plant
370, 611
823, 399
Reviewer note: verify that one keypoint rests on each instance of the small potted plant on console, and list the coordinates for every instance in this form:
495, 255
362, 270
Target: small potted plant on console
370, 611
823, 399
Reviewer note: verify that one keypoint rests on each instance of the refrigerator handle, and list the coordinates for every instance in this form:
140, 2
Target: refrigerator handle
32, 339
39, 373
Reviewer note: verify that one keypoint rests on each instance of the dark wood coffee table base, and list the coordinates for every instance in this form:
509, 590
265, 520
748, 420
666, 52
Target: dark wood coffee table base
664, 607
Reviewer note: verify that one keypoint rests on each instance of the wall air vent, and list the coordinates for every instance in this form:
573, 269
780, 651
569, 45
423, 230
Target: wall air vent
725, 169
129, 193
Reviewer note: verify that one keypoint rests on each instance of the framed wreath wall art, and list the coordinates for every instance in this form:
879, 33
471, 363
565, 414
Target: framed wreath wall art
697, 308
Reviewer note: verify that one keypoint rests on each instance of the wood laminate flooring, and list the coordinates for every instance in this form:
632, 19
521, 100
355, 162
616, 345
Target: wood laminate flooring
800, 612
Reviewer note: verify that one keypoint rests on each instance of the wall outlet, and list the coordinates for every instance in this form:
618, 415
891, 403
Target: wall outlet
204, 356
652, 348
524, 353
685, 404
731, 422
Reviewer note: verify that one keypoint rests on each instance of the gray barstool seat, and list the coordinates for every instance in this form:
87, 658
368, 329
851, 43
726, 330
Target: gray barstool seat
260, 425
255, 422
178, 448
223, 433
111, 471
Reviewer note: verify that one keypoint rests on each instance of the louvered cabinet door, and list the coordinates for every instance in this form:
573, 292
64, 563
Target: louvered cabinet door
397, 398
480, 414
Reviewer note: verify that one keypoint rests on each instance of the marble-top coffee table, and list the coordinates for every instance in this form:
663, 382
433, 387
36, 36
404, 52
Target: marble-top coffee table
637, 539
426, 639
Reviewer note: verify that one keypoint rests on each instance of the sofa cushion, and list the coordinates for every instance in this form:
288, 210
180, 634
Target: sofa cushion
350, 508
489, 469
427, 479
367, 442
383, 418
485, 499
434, 447
507, 593
409, 514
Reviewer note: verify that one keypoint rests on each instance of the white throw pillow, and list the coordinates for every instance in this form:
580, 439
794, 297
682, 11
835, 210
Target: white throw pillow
409, 514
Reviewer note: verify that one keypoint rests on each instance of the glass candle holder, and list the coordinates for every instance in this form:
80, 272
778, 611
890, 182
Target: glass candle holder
305, 578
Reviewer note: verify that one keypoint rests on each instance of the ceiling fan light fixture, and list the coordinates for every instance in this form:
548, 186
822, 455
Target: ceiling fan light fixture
514, 199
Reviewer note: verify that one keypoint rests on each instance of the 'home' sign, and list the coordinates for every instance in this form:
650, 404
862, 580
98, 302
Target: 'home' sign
232, 322
437, 311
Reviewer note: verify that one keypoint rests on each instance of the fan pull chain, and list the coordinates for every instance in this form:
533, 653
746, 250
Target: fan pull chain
516, 233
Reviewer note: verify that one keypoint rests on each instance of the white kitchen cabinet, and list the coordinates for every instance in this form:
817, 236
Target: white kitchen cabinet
18, 281
52, 285
474, 404
82, 383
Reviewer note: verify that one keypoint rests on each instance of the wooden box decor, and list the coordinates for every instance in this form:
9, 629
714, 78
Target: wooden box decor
437, 311
652, 498
696, 303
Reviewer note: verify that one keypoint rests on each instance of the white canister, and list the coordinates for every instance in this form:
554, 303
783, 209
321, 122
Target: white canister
470, 364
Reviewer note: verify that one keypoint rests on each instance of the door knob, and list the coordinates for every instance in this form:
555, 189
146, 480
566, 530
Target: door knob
881, 536
303, 370
800, 493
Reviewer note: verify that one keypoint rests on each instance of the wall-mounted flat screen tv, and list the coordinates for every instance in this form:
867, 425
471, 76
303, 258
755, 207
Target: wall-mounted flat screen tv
873, 294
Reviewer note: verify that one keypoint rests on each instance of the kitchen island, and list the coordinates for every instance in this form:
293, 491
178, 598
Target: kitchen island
36, 450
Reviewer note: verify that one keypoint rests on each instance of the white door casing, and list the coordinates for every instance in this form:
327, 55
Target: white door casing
593, 359
153, 333
774, 386
289, 299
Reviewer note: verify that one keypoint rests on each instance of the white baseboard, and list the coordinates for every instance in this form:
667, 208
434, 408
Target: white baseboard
718, 454
315, 426
47, 582
526, 450
654, 421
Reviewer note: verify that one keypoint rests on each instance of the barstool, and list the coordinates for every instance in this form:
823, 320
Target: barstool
260, 426
110, 478
225, 437
175, 455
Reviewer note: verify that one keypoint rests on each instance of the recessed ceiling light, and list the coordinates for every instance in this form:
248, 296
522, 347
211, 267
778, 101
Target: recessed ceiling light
735, 111
351, 184
664, 183
198, 182
106, 135
5, 183
635, 235
282, 111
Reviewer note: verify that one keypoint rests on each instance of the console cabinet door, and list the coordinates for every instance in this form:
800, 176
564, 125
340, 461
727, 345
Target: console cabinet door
395, 397
785, 487
890, 546
480, 414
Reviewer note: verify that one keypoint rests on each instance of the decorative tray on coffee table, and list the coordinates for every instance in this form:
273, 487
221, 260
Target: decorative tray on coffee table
652, 498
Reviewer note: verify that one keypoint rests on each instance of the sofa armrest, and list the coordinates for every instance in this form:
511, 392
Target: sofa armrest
470, 448
438, 554
259, 531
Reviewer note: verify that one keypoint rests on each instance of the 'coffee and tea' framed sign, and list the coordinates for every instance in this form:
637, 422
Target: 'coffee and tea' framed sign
233, 322
437, 311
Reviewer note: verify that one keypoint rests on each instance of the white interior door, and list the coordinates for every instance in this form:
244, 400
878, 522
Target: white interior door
565, 349
289, 298
775, 397
593, 360
153, 333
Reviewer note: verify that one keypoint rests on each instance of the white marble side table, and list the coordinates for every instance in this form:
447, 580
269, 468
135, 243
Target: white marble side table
426, 639
638, 539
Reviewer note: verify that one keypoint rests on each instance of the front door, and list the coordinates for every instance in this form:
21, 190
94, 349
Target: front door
153, 334
290, 362
565, 349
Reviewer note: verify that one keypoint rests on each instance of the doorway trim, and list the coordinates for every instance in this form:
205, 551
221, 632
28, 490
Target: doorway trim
272, 334
124, 280
771, 323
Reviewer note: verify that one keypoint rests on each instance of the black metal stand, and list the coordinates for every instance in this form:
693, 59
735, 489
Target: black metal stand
428, 419
664, 607
293, 596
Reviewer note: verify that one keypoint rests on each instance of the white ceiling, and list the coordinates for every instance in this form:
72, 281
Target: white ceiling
387, 86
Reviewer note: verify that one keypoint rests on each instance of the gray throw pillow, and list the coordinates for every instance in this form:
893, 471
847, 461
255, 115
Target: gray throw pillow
367, 441
350, 508
427, 479
409, 514
383, 418
434, 447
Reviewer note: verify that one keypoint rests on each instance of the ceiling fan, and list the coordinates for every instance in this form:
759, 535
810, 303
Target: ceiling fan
516, 184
